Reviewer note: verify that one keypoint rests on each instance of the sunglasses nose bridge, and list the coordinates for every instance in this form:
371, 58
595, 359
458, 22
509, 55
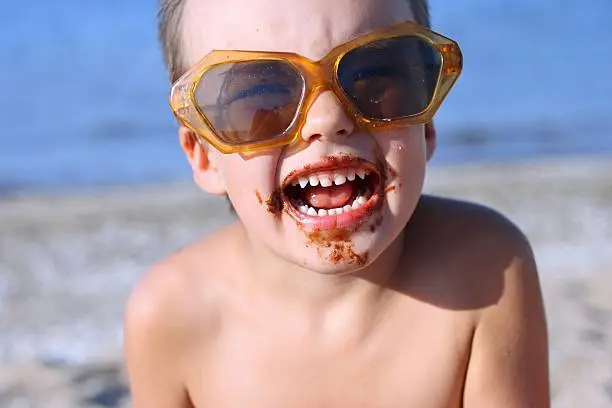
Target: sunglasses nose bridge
318, 80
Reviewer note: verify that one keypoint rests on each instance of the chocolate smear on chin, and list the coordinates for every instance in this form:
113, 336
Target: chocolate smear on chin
338, 241
343, 253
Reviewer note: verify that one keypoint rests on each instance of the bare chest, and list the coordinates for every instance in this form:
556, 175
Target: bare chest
423, 368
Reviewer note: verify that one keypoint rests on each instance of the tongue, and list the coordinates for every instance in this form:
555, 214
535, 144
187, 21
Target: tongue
328, 197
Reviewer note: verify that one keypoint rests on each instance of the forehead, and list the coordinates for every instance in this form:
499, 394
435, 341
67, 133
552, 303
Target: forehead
307, 27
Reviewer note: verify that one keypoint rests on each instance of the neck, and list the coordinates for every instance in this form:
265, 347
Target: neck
290, 282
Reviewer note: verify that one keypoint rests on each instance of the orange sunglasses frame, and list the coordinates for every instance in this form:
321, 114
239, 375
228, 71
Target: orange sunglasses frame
318, 77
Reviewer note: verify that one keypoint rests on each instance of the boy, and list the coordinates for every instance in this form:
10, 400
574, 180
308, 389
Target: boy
340, 285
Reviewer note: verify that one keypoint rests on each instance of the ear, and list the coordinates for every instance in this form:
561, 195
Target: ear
431, 140
205, 172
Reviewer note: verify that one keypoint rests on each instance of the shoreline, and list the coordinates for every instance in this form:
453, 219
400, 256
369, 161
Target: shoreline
436, 165
81, 253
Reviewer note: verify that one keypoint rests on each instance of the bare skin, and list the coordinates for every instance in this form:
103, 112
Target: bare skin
431, 303
459, 323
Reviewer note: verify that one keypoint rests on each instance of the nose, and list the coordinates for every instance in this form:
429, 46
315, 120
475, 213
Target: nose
327, 120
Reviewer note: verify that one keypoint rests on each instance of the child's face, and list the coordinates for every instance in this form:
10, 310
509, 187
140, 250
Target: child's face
330, 243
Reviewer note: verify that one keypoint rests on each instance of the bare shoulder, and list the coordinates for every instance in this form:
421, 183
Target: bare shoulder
471, 223
180, 289
173, 310
487, 267
469, 249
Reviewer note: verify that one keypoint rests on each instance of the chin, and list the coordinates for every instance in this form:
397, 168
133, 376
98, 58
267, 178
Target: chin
335, 261
340, 251
329, 269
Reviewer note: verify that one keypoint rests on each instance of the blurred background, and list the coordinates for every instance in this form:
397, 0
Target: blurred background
94, 188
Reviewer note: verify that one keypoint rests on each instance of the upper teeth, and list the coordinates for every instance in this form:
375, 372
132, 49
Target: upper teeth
350, 174
327, 179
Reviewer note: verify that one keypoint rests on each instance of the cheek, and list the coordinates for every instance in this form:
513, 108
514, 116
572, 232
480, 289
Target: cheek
405, 155
251, 182
405, 152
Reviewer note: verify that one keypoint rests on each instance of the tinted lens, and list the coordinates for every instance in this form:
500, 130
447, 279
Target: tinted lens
390, 78
250, 101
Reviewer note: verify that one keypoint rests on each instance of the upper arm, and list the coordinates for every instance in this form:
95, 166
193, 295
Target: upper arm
153, 344
508, 365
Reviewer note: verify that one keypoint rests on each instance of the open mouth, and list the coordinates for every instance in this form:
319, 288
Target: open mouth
333, 197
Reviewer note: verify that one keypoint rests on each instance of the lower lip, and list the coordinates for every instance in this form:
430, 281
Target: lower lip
349, 219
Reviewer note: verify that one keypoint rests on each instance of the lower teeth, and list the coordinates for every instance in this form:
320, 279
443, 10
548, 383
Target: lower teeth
305, 209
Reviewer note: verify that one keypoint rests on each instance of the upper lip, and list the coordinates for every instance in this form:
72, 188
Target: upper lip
329, 164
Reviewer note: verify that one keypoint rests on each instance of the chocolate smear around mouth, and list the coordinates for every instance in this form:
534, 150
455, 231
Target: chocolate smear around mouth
377, 223
275, 204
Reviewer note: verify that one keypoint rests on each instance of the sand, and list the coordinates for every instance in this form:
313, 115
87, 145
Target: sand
68, 262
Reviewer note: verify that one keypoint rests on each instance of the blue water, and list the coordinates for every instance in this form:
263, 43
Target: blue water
84, 92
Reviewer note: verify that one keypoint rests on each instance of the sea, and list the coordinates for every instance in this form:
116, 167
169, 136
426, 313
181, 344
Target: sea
83, 90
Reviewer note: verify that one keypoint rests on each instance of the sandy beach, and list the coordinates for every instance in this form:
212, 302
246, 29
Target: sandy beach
67, 264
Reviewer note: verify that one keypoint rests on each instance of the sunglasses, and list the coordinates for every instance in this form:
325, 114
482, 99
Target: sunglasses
248, 101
